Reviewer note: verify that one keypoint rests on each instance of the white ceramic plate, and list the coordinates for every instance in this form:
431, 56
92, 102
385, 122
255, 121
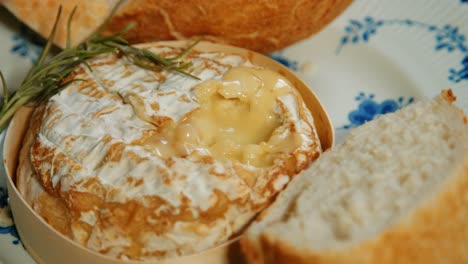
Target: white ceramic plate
377, 57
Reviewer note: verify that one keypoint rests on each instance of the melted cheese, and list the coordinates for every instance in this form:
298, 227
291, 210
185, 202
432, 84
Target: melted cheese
235, 120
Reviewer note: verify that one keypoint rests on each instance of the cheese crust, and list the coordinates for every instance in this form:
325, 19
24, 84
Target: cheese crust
88, 168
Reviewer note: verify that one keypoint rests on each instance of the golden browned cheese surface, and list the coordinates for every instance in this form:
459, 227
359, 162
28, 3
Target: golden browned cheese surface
144, 164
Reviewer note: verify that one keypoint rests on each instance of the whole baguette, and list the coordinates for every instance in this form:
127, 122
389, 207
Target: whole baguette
263, 26
430, 228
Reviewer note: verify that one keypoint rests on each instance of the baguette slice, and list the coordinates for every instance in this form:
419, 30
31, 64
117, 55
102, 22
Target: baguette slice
396, 191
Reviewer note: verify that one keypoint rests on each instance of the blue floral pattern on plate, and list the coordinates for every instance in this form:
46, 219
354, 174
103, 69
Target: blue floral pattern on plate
291, 64
447, 38
368, 109
7, 229
27, 44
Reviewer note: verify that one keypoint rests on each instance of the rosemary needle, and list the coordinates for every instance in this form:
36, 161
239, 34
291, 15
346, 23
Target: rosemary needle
48, 75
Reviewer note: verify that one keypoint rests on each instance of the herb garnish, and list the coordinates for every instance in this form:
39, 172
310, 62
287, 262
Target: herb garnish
48, 75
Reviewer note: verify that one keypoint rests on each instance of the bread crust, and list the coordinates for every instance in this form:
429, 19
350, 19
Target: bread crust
263, 26
435, 232
40, 16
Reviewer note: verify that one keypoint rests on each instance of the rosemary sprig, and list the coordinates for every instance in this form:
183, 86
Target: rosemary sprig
48, 76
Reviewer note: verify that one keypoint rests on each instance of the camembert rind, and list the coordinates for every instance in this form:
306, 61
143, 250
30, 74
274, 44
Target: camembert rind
86, 170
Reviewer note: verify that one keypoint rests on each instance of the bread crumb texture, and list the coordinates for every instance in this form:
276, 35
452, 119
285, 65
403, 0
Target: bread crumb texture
393, 192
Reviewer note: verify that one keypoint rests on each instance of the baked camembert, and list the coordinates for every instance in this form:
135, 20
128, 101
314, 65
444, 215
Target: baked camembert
141, 164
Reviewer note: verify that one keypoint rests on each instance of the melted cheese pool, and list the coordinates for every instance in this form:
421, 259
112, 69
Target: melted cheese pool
235, 121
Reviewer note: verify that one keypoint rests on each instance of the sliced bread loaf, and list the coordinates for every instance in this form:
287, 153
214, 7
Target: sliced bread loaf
396, 191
